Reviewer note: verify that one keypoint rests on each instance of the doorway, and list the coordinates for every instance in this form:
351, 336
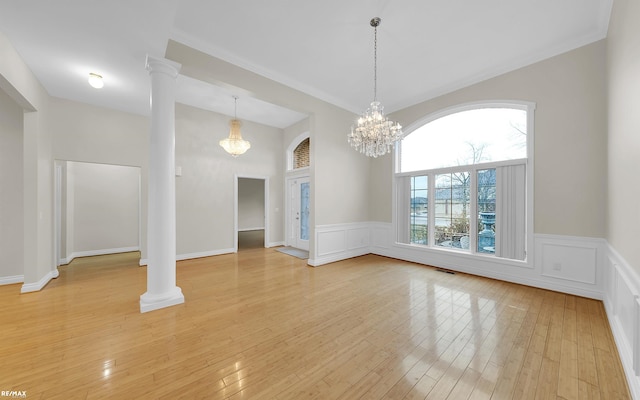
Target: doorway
97, 209
251, 212
298, 196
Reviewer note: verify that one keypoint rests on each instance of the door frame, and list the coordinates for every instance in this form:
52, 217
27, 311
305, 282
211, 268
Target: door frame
287, 205
235, 208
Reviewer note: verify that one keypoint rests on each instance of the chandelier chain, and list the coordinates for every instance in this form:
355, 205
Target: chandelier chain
375, 63
235, 107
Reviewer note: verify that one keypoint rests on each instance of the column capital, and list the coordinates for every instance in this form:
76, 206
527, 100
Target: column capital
162, 65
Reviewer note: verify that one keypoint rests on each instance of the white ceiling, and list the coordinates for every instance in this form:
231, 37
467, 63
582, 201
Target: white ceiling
425, 47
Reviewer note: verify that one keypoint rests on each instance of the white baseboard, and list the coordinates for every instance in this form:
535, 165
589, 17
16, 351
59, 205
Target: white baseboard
339, 256
37, 286
561, 263
258, 228
9, 280
189, 256
621, 301
275, 244
99, 252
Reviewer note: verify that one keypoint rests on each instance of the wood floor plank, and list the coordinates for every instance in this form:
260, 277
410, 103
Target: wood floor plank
260, 324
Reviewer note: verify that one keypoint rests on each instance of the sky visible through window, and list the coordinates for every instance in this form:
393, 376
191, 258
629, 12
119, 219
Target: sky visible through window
466, 137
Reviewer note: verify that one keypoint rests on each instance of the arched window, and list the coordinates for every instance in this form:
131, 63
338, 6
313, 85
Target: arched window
461, 181
301, 155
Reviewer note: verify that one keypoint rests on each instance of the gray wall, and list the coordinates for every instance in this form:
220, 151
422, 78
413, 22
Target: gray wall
104, 217
205, 191
86, 133
570, 139
11, 213
339, 176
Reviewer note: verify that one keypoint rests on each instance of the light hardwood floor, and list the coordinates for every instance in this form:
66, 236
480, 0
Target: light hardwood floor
262, 325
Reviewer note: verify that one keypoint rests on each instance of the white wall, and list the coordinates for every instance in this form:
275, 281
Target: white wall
205, 192
250, 204
11, 214
622, 215
104, 217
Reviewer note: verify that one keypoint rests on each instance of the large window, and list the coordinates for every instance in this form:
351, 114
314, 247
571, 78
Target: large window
461, 182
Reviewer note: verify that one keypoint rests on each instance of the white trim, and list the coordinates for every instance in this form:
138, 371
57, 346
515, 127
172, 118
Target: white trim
191, 256
573, 247
267, 207
9, 280
275, 244
37, 286
57, 210
327, 259
623, 311
156, 302
469, 106
337, 242
289, 179
257, 228
487, 266
99, 252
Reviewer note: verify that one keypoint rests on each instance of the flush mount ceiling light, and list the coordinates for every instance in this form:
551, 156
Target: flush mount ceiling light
234, 144
95, 80
373, 134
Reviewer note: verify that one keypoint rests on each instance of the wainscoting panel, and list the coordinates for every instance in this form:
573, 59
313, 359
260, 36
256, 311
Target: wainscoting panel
340, 241
331, 242
562, 263
622, 303
358, 238
569, 259
381, 235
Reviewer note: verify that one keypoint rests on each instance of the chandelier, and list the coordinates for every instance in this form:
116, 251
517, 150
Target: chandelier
374, 134
234, 144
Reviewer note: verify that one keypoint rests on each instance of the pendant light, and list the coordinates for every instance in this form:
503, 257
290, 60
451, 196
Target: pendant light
234, 144
373, 134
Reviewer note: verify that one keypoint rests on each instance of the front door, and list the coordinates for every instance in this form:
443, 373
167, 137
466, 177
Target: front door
299, 192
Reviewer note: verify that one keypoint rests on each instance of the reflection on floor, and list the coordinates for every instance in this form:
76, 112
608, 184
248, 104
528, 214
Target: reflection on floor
251, 240
260, 324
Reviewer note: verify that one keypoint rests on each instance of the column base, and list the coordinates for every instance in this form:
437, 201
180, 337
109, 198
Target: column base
150, 302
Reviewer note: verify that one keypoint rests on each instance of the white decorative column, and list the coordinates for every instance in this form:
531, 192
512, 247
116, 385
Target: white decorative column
161, 221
